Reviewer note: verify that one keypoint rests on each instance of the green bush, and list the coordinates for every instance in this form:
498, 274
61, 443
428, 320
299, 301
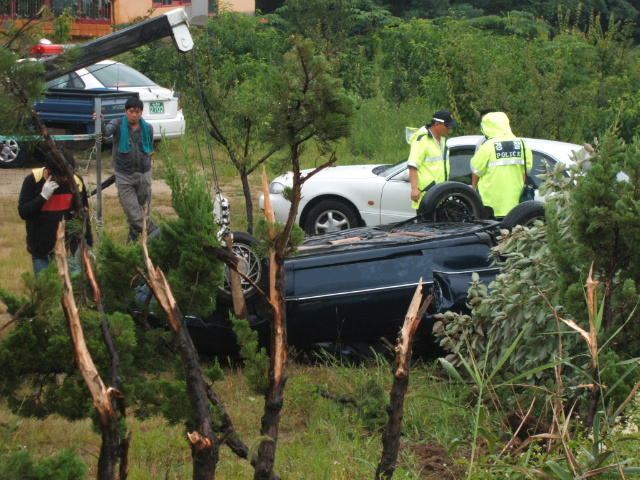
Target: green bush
590, 218
193, 275
65, 465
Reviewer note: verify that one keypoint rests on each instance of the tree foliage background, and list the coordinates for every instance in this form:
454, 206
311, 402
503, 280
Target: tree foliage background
435, 9
560, 70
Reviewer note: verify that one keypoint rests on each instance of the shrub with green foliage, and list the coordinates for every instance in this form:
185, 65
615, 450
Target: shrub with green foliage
591, 217
13, 303
570, 87
256, 359
193, 275
19, 465
346, 32
604, 229
20, 84
262, 232
116, 270
62, 26
517, 297
39, 376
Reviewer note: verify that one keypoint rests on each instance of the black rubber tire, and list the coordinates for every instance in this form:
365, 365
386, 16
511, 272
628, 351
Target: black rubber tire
524, 214
330, 216
251, 265
451, 202
12, 155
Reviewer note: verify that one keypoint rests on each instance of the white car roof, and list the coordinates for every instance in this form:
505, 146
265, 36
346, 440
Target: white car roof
560, 151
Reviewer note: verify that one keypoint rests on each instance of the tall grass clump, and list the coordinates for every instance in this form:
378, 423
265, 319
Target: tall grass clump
379, 130
14, 257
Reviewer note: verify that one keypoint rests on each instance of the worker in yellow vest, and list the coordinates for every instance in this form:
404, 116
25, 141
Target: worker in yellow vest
498, 166
428, 160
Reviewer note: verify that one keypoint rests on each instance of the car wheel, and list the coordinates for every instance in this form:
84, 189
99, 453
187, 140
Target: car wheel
11, 154
524, 214
451, 202
330, 216
250, 265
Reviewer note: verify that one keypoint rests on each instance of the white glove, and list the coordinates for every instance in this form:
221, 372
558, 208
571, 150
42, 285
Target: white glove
48, 188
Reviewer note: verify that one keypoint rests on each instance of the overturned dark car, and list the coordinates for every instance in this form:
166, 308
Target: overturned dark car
350, 289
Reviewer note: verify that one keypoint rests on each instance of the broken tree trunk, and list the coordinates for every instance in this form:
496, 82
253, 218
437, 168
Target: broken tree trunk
234, 443
391, 435
274, 397
235, 282
105, 400
118, 402
594, 400
204, 445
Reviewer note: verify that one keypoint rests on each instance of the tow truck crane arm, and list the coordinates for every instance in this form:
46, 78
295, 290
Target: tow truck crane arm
173, 23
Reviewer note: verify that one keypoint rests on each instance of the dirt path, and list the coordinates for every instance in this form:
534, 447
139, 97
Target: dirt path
11, 180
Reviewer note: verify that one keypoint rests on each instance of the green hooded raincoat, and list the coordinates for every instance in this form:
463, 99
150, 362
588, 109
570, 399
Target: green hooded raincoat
499, 164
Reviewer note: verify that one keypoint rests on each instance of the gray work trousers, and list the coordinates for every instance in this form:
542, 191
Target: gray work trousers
134, 193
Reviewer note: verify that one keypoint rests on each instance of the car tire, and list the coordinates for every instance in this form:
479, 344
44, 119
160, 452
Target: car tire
524, 214
451, 202
250, 264
12, 155
330, 216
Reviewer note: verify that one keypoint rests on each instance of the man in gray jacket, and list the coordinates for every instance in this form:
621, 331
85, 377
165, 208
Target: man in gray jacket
132, 152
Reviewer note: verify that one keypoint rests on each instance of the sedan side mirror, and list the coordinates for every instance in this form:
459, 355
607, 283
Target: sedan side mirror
403, 176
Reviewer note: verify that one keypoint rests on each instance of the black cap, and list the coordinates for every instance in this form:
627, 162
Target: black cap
444, 116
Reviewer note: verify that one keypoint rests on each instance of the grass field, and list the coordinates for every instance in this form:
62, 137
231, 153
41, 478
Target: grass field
320, 438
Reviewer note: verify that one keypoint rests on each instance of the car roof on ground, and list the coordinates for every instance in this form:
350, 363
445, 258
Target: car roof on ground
401, 233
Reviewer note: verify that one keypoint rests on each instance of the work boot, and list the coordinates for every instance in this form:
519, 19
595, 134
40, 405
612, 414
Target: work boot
133, 236
155, 233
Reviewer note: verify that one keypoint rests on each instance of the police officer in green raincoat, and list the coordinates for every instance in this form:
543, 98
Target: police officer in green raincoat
428, 161
498, 167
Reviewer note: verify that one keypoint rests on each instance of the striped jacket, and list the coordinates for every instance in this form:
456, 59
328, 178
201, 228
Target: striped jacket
43, 216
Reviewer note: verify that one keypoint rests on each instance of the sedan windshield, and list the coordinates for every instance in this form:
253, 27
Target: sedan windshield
386, 170
119, 75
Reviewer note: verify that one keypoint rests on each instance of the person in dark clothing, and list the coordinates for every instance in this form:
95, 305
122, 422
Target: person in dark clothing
45, 199
132, 152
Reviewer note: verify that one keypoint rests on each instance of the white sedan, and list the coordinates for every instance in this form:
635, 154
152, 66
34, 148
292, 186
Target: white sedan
161, 106
343, 197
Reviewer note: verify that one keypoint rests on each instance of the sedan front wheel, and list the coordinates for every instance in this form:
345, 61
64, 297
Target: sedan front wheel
330, 216
250, 264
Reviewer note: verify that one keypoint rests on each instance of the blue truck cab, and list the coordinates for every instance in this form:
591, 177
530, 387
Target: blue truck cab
70, 111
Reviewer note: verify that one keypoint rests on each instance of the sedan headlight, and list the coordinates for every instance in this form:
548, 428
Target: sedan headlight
276, 188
